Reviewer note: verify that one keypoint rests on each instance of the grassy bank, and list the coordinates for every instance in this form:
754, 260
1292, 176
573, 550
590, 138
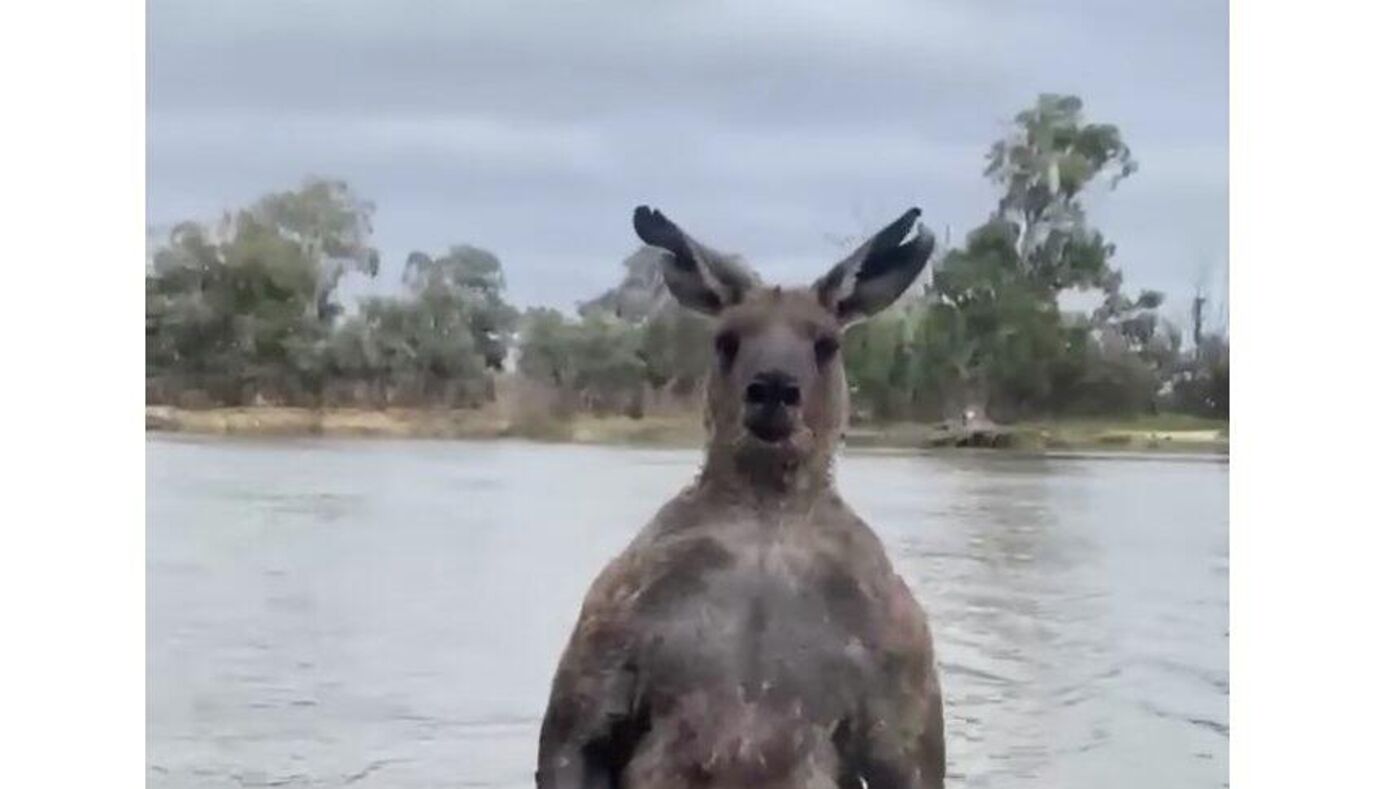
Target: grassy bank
1167, 432
419, 423
1164, 433
279, 421
1158, 432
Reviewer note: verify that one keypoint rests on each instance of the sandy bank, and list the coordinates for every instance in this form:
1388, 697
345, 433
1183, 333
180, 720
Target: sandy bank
1149, 434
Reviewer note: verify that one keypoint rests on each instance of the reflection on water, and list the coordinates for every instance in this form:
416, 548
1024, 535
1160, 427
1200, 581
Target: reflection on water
377, 613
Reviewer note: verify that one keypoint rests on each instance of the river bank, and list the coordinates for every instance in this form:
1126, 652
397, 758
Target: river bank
1164, 433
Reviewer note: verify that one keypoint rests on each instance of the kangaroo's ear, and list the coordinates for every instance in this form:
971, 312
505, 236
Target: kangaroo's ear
878, 272
700, 278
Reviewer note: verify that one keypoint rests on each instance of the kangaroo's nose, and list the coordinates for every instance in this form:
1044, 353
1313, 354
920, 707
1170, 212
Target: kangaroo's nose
773, 388
766, 402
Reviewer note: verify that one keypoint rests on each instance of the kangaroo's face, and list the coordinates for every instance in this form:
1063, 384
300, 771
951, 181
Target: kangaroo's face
777, 386
776, 380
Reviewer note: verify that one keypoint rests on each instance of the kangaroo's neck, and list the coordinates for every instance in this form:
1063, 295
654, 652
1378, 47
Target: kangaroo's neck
764, 477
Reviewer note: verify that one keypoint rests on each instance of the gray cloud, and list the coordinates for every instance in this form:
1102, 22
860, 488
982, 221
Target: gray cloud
533, 128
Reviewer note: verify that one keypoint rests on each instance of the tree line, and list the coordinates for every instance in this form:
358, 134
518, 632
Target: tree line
248, 310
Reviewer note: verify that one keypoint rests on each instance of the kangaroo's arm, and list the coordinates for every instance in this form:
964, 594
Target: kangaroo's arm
591, 726
901, 742
901, 745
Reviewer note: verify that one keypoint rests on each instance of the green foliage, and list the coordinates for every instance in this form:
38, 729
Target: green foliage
411, 351
466, 286
1202, 386
993, 335
594, 363
877, 354
328, 224
245, 311
607, 364
1044, 165
545, 346
1051, 156
988, 333
674, 345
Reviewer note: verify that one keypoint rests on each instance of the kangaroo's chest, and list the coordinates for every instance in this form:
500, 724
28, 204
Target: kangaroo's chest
779, 613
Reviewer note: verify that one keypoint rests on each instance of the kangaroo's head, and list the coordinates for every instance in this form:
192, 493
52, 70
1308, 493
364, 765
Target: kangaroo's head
776, 398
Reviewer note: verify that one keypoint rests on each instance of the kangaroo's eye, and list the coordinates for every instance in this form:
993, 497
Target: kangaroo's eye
826, 347
727, 346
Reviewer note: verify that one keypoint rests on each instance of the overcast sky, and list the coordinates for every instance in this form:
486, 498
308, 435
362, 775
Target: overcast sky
766, 128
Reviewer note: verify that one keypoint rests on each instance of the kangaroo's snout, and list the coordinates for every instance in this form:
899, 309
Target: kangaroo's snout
773, 388
768, 402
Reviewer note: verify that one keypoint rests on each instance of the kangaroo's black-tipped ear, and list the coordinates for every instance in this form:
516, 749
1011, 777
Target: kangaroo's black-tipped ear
655, 229
878, 272
699, 277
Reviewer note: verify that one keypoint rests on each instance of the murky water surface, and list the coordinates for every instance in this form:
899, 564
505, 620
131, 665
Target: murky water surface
389, 614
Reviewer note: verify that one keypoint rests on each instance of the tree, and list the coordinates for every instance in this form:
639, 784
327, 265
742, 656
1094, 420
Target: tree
674, 349
330, 225
244, 309
593, 363
877, 355
1201, 382
1044, 165
466, 283
608, 367
672, 343
437, 343
998, 295
546, 347
191, 329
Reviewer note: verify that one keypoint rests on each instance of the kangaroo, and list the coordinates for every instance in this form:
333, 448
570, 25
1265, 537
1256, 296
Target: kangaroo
754, 633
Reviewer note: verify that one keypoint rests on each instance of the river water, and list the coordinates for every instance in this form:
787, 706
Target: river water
389, 614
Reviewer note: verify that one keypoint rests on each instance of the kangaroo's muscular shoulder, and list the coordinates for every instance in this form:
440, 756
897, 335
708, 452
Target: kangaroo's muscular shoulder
903, 625
613, 595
